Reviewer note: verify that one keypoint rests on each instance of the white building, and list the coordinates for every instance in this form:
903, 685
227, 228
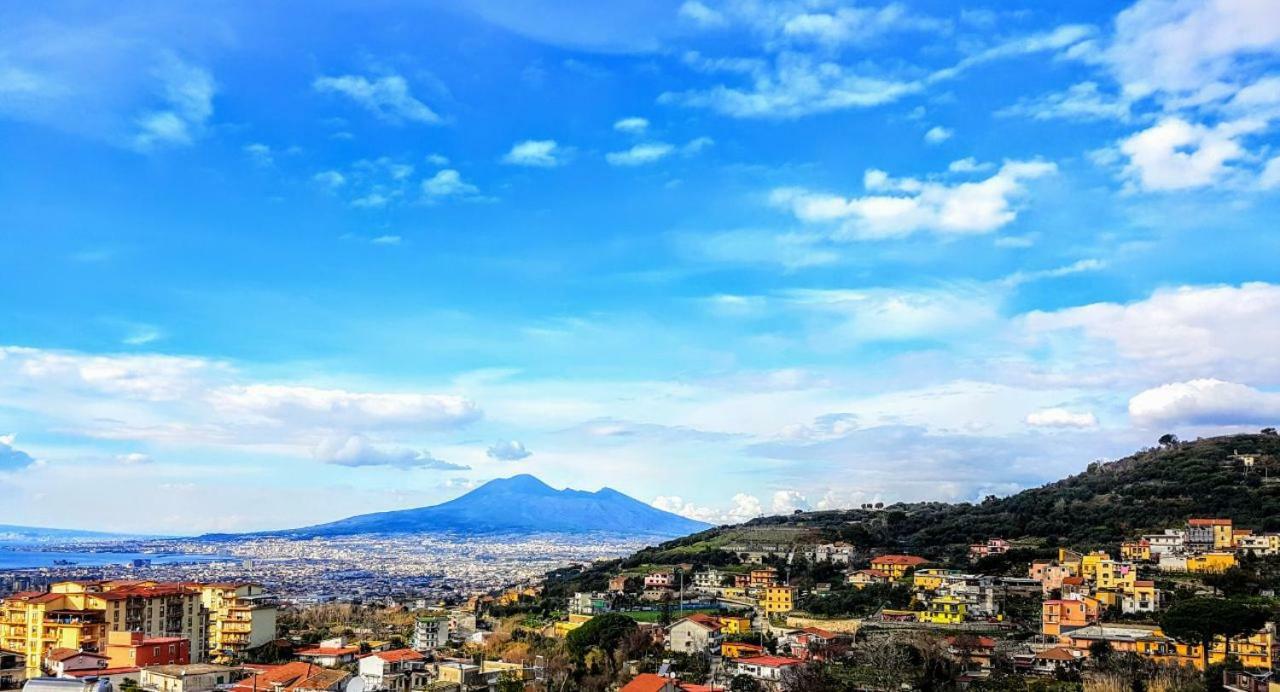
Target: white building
709, 579
766, 668
1172, 541
696, 634
430, 633
392, 671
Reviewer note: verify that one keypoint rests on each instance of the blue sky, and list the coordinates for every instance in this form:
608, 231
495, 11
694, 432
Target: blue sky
269, 266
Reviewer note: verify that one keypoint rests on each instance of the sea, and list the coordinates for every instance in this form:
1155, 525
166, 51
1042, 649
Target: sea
16, 556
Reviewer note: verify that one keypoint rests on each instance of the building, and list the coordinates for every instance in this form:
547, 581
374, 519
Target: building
741, 650
61, 662
155, 609
993, 546
865, 577
1209, 534
394, 671
1260, 544
331, 656
766, 668
934, 579
465, 675
1137, 551
777, 599
650, 682
660, 580
295, 676
241, 616
193, 677
762, 577
134, 649
618, 584
1172, 541
586, 603
1142, 598
430, 633
1212, 562
1062, 614
735, 624
33, 624
896, 566
944, 610
1148, 641
1049, 574
836, 553
695, 634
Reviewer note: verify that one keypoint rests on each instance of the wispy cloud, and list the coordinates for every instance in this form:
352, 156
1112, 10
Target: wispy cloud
388, 97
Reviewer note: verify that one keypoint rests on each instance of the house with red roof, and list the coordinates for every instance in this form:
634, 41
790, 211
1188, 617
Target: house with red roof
698, 633
897, 566
329, 656
395, 670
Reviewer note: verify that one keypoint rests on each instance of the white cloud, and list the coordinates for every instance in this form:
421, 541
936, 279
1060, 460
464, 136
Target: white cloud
752, 246
1198, 331
260, 153
330, 179
891, 314
508, 450
188, 95
825, 427
343, 409
1205, 402
788, 501
11, 458
386, 240
701, 14
447, 183
134, 459
1181, 48
1061, 418
538, 153
937, 135
640, 154
1078, 267
387, 97
951, 209
969, 165
1174, 154
1081, 102
1270, 178
633, 125
357, 450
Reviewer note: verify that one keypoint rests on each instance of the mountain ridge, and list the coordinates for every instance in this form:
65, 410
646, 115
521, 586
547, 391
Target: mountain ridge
520, 504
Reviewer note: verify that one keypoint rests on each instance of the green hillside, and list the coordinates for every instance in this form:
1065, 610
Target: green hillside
1107, 503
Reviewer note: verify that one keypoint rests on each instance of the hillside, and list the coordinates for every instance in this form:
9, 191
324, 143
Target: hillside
1107, 503
520, 504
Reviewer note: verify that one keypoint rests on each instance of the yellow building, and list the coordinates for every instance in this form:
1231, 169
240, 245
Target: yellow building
33, 623
1110, 574
777, 599
931, 579
1138, 551
1070, 561
1149, 641
944, 610
1211, 562
564, 627
240, 617
1089, 564
897, 566
735, 624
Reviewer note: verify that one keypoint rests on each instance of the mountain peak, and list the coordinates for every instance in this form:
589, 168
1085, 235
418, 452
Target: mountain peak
519, 483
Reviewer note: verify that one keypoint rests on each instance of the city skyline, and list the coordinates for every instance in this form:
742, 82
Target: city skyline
729, 258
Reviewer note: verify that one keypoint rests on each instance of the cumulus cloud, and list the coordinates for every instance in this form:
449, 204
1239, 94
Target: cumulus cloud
357, 450
188, 95
537, 153
640, 154
937, 135
788, 501
743, 507
387, 97
1061, 418
907, 205
1205, 401
507, 450
632, 125
11, 458
447, 183
1174, 154
330, 179
1204, 331
342, 408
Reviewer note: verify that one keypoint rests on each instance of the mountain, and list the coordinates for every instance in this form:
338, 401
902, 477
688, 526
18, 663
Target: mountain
520, 504
13, 533
1109, 502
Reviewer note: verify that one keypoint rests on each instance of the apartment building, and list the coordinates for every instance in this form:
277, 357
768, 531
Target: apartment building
241, 616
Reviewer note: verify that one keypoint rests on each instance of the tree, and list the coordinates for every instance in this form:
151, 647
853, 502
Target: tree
510, 681
1168, 440
605, 631
1201, 620
743, 683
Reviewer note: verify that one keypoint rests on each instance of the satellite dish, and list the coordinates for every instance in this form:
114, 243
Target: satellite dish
355, 684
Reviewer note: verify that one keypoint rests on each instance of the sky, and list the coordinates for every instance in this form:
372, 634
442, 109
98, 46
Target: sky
272, 264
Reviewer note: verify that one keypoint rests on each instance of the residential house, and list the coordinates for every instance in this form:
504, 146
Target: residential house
193, 677
777, 599
330, 656
394, 671
134, 649
1142, 598
993, 546
934, 579
944, 610
1171, 541
60, 662
1259, 544
1056, 661
897, 566
1136, 551
697, 633
1064, 614
465, 676
766, 668
762, 577
239, 616
708, 579
817, 644
741, 650
430, 632
735, 624
1211, 562
1049, 574
975, 654
650, 682
618, 584
866, 577
836, 553
295, 676
587, 603
1209, 534
660, 580
1148, 641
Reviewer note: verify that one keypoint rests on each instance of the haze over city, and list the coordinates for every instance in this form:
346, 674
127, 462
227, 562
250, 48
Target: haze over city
271, 265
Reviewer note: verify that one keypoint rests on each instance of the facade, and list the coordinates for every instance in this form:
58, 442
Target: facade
241, 616
1065, 614
1137, 551
430, 633
62, 662
710, 579
1143, 598
1254, 651
735, 624
777, 599
944, 610
13, 669
760, 578
586, 603
393, 671
1210, 534
896, 566
33, 624
195, 677
1212, 562
134, 649
1172, 541
699, 634
662, 580
993, 546
866, 577
295, 676
331, 656
766, 668
741, 650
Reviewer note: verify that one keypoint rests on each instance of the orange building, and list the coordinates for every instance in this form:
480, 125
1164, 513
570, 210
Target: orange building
896, 566
1064, 614
136, 650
